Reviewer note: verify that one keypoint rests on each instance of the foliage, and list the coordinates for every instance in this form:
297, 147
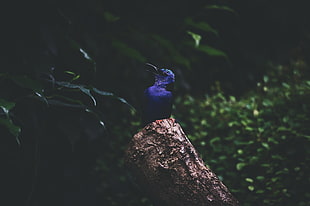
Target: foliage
62, 93
7, 122
258, 144
62, 62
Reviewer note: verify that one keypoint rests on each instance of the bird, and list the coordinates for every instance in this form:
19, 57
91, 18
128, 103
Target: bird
158, 98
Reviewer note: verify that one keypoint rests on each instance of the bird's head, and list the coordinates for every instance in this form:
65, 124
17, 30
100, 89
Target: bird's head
163, 77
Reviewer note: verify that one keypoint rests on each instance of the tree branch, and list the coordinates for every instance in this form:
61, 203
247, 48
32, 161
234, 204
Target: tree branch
167, 166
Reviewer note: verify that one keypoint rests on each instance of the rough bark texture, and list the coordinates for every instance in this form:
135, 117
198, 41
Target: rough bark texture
167, 166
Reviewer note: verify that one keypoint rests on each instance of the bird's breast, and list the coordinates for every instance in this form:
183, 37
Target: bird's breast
158, 94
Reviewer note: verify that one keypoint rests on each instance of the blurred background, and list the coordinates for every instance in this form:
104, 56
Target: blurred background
72, 77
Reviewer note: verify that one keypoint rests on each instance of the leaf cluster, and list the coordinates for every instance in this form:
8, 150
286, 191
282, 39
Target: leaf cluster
258, 144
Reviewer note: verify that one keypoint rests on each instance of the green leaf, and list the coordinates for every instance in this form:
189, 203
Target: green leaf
87, 92
82, 88
218, 7
232, 98
240, 151
260, 177
240, 165
65, 104
234, 123
261, 130
211, 51
7, 122
275, 179
251, 187
28, 83
213, 140
249, 180
243, 142
249, 128
273, 140
256, 113
86, 56
266, 145
70, 72
128, 51
13, 129
66, 99
75, 76
196, 37
267, 103
6, 106
201, 25
75, 45
109, 17
103, 93
282, 129
287, 86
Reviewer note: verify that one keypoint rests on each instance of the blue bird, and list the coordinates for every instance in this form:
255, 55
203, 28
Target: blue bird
158, 98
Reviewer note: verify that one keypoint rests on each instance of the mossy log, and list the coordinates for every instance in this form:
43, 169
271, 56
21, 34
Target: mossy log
167, 166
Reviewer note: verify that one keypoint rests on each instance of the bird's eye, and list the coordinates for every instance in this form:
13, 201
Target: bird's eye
165, 73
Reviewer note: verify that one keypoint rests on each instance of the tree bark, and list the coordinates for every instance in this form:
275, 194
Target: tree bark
166, 165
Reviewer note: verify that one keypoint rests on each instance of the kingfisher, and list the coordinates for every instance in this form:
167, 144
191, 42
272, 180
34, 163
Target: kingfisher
158, 98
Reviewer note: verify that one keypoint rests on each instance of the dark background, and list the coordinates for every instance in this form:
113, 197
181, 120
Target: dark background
65, 154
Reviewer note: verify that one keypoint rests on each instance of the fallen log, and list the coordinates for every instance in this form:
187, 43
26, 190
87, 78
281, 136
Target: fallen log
166, 165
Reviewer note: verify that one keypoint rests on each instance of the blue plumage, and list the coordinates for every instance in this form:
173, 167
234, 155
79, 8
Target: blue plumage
158, 98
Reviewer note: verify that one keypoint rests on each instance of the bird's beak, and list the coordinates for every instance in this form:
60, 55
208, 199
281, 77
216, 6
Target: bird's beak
154, 69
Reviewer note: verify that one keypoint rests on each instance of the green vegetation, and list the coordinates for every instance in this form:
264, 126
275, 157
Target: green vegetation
258, 144
72, 77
